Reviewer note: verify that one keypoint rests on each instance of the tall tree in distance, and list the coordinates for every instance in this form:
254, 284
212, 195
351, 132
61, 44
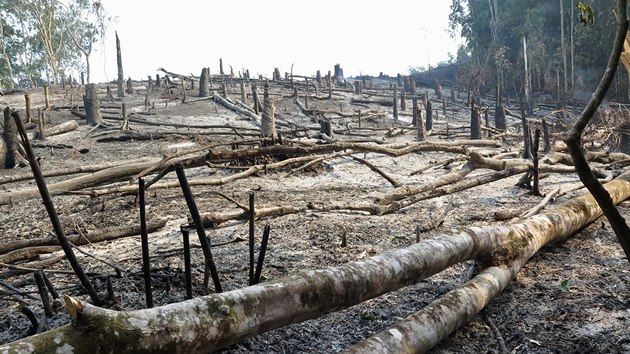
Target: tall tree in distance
89, 27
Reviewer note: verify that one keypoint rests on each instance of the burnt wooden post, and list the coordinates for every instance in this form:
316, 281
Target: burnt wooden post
46, 98
547, 143
417, 113
92, 106
29, 114
158, 82
276, 74
329, 83
221, 66
429, 114
144, 237
9, 135
395, 103
318, 77
268, 123
535, 188
129, 87
251, 216
121, 77
203, 83
403, 103
475, 122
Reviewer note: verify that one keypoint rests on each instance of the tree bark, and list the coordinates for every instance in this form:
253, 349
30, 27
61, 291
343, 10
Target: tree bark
121, 76
215, 321
9, 137
92, 106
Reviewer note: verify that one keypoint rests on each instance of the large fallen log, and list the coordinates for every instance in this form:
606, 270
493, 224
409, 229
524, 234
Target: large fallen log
212, 322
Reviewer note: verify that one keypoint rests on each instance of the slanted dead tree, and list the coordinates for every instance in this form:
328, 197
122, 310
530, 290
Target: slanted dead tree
215, 321
574, 138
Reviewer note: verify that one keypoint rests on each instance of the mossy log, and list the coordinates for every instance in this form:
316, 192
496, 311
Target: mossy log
215, 321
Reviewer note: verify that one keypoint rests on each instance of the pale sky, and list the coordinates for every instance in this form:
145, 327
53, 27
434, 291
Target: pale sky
364, 36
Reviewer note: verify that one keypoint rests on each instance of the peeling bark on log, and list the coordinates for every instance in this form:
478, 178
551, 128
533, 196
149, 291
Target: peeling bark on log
215, 321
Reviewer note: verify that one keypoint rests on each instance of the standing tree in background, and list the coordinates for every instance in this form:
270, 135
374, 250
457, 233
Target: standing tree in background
90, 26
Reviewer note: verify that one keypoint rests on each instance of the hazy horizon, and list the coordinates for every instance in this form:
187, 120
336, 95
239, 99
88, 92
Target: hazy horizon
365, 37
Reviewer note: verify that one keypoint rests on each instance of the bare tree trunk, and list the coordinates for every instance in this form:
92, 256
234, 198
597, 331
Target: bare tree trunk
92, 106
563, 49
526, 88
475, 122
268, 124
121, 77
429, 118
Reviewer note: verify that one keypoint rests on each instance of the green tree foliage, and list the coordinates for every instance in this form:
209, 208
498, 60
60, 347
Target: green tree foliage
539, 22
44, 40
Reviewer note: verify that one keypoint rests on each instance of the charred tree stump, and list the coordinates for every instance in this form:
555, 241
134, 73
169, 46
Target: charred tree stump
318, 77
417, 113
109, 96
547, 142
29, 114
475, 122
158, 82
9, 135
256, 99
268, 124
357, 87
150, 83
41, 120
499, 118
92, 106
339, 78
225, 91
403, 103
125, 125
243, 94
221, 67
146, 265
527, 149
395, 103
276, 74
429, 113
82, 78
326, 129
412, 87
535, 188
46, 98
329, 83
438, 89
203, 83
130, 87
121, 76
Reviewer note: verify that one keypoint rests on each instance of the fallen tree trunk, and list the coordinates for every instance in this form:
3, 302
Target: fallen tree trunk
227, 104
115, 173
212, 322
